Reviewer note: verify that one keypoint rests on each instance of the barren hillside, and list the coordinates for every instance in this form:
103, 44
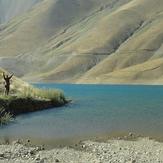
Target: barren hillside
83, 41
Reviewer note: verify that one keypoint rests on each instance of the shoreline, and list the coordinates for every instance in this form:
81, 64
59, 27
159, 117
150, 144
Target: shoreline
50, 143
28, 105
92, 151
21, 105
111, 84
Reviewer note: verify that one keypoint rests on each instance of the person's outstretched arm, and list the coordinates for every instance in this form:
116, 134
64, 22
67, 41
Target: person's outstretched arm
4, 75
11, 76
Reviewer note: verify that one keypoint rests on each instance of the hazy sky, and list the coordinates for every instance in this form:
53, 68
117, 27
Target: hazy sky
11, 8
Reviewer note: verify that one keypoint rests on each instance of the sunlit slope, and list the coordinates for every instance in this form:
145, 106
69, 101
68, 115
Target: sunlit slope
144, 45
149, 72
41, 36
46, 20
86, 41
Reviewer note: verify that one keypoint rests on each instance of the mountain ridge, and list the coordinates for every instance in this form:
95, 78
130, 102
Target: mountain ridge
79, 41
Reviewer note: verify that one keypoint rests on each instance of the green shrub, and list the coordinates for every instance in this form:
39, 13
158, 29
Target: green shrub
46, 94
4, 116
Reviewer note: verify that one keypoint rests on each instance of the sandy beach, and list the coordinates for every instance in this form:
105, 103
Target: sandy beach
142, 150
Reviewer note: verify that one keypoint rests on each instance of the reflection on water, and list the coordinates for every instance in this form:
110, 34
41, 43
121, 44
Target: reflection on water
96, 110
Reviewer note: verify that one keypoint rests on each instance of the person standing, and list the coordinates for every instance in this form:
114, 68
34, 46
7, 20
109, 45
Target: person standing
7, 80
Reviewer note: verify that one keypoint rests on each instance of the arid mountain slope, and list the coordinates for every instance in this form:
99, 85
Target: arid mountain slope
86, 41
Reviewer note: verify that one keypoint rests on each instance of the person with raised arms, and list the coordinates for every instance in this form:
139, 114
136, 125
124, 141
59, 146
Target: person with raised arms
7, 80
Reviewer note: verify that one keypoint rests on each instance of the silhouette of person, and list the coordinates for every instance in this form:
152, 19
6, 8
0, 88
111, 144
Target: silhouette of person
7, 80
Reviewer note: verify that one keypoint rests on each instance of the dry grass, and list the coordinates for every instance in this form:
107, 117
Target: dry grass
4, 116
45, 94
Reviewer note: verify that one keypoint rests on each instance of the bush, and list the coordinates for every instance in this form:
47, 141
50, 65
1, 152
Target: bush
4, 116
54, 95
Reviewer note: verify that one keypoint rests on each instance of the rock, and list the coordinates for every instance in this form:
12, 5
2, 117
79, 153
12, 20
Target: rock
1, 154
38, 148
56, 160
18, 141
94, 150
28, 141
83, 146
37, 158
130, 134
31, 152
42, 160
42, 148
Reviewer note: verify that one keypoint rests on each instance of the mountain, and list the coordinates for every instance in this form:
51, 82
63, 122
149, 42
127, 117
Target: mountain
83, 41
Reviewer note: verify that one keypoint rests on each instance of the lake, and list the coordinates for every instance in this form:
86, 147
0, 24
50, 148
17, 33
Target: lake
96, 110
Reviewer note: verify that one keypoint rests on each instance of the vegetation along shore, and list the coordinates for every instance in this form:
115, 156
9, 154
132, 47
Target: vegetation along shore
24, 98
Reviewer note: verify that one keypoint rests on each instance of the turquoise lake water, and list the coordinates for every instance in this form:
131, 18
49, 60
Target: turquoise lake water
96, 110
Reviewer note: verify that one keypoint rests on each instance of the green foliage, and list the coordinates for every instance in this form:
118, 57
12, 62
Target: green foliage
29, 99
4, 116
9, 97
45, 94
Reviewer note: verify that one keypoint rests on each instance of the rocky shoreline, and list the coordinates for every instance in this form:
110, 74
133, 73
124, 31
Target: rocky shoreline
142, 150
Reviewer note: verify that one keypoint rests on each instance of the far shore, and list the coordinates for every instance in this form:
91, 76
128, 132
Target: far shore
102, 84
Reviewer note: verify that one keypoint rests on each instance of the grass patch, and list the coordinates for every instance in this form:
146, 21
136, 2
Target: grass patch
45, 94
30, 99
5, 117
9, 97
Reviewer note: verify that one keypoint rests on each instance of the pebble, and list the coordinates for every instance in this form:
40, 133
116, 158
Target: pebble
31, 152
133, 161
1, 154
83, 146
115, 152
130, 134
37, 158
16, 142
38, 148
42, 148
28, 141
42, 160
